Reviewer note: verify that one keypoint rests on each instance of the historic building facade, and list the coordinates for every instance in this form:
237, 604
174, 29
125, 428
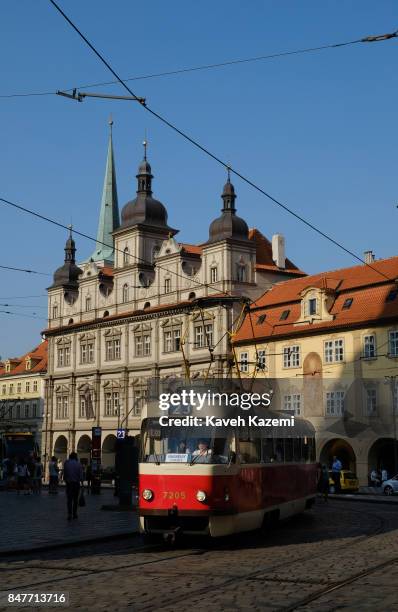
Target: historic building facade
22, 383
145, 306
331, 341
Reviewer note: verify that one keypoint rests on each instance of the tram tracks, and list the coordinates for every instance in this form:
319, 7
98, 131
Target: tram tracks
79, 572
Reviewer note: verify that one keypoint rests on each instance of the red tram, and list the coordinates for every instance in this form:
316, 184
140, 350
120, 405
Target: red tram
212, 481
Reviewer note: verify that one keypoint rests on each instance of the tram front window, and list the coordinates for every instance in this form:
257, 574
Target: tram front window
185, 445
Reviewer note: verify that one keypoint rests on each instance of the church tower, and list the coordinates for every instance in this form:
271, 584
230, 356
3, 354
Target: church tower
109, 213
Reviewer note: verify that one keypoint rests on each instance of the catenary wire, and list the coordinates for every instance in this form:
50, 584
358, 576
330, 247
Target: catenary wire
83, 235
212, 155
245, 60
23, 270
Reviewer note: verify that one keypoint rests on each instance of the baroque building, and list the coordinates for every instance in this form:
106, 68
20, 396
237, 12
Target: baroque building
145, 306
22, 393
329, 344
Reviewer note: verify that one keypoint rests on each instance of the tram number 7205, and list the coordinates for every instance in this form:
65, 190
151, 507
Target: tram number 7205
174, 495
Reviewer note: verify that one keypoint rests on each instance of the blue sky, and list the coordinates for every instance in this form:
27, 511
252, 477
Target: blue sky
318, 131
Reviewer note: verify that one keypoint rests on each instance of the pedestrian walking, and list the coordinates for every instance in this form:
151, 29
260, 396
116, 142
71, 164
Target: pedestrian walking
323, 485
38, 476
22, 472
73, 477
336, 474
53, 471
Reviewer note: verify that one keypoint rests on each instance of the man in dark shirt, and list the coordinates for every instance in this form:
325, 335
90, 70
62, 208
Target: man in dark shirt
73, 476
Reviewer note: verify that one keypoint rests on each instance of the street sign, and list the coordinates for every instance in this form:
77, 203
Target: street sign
121, 434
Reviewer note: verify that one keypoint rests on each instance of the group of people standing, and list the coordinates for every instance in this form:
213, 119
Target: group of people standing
326, 474
27, 472
377, 477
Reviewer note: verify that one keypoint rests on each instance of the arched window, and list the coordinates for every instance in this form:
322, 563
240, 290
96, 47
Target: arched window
88, 303
126, 256
147, 305
70, 322
213, 274
106, 314
192, 296
125, 293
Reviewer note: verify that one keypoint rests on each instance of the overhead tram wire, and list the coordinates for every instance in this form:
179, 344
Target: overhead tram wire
215, 157
245, 60
22, 314
83, 235
23, 270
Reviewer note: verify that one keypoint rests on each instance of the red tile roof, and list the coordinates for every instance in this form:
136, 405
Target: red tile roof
38, 356
368, 286
264, 259
193, 249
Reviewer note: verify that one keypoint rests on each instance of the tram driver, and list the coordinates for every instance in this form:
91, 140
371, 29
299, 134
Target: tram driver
203, 453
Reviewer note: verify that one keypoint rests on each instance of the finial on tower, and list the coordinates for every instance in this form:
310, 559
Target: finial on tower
110, 121
228, 173
145, 144
70, 228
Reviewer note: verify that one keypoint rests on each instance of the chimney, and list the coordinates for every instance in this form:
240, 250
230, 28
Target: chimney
369, 257
278, 250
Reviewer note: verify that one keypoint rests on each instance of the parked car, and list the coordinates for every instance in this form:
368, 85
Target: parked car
348, 481
390, 486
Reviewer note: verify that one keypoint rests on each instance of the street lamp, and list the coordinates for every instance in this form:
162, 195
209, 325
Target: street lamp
391, 380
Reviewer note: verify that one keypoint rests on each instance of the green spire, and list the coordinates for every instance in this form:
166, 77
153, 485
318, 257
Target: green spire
109, 214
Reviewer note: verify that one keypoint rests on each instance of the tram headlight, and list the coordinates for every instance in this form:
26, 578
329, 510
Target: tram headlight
147, 494
201, 496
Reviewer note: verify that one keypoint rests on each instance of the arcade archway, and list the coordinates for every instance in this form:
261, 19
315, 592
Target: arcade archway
382, 455
108, 452
61, 448
84, 449
342, 450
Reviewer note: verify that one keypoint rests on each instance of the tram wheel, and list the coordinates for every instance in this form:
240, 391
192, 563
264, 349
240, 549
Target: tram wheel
270, 520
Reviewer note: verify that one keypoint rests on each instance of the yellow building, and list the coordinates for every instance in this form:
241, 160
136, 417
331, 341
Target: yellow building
329, 342
22, 393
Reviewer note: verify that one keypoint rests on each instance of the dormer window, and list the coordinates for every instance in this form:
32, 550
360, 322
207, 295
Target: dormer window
261, 319
347, 303
392, 295
28, 364
8, 366
312, 306
284, 315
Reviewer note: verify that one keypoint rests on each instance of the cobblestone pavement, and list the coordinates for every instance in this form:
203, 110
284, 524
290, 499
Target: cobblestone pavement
28, 521
298, 560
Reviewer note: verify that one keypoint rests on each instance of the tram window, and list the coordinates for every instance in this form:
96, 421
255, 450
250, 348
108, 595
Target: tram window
289, 450
267, 450
297, 455
250, 451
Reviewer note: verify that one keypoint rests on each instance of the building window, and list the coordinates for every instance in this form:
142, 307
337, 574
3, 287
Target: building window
167, 285
26, 411
112, 349
284, 315
244, 362
167, 342
18, 411
172, 340
62, 407
55, 312
370, 402
293, 402
34, 410
35, 385
111, 403
126, 256
291, 357
312, 306
334, 351
4, 390
11, 389
88, 303
392, 295
63, 356
261, 359
125, 294
261, 319
347, 303
369, 347
142, 345
393, 343
19, 387
203, 335
27, 387
87, 352
335, 403
213, 274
